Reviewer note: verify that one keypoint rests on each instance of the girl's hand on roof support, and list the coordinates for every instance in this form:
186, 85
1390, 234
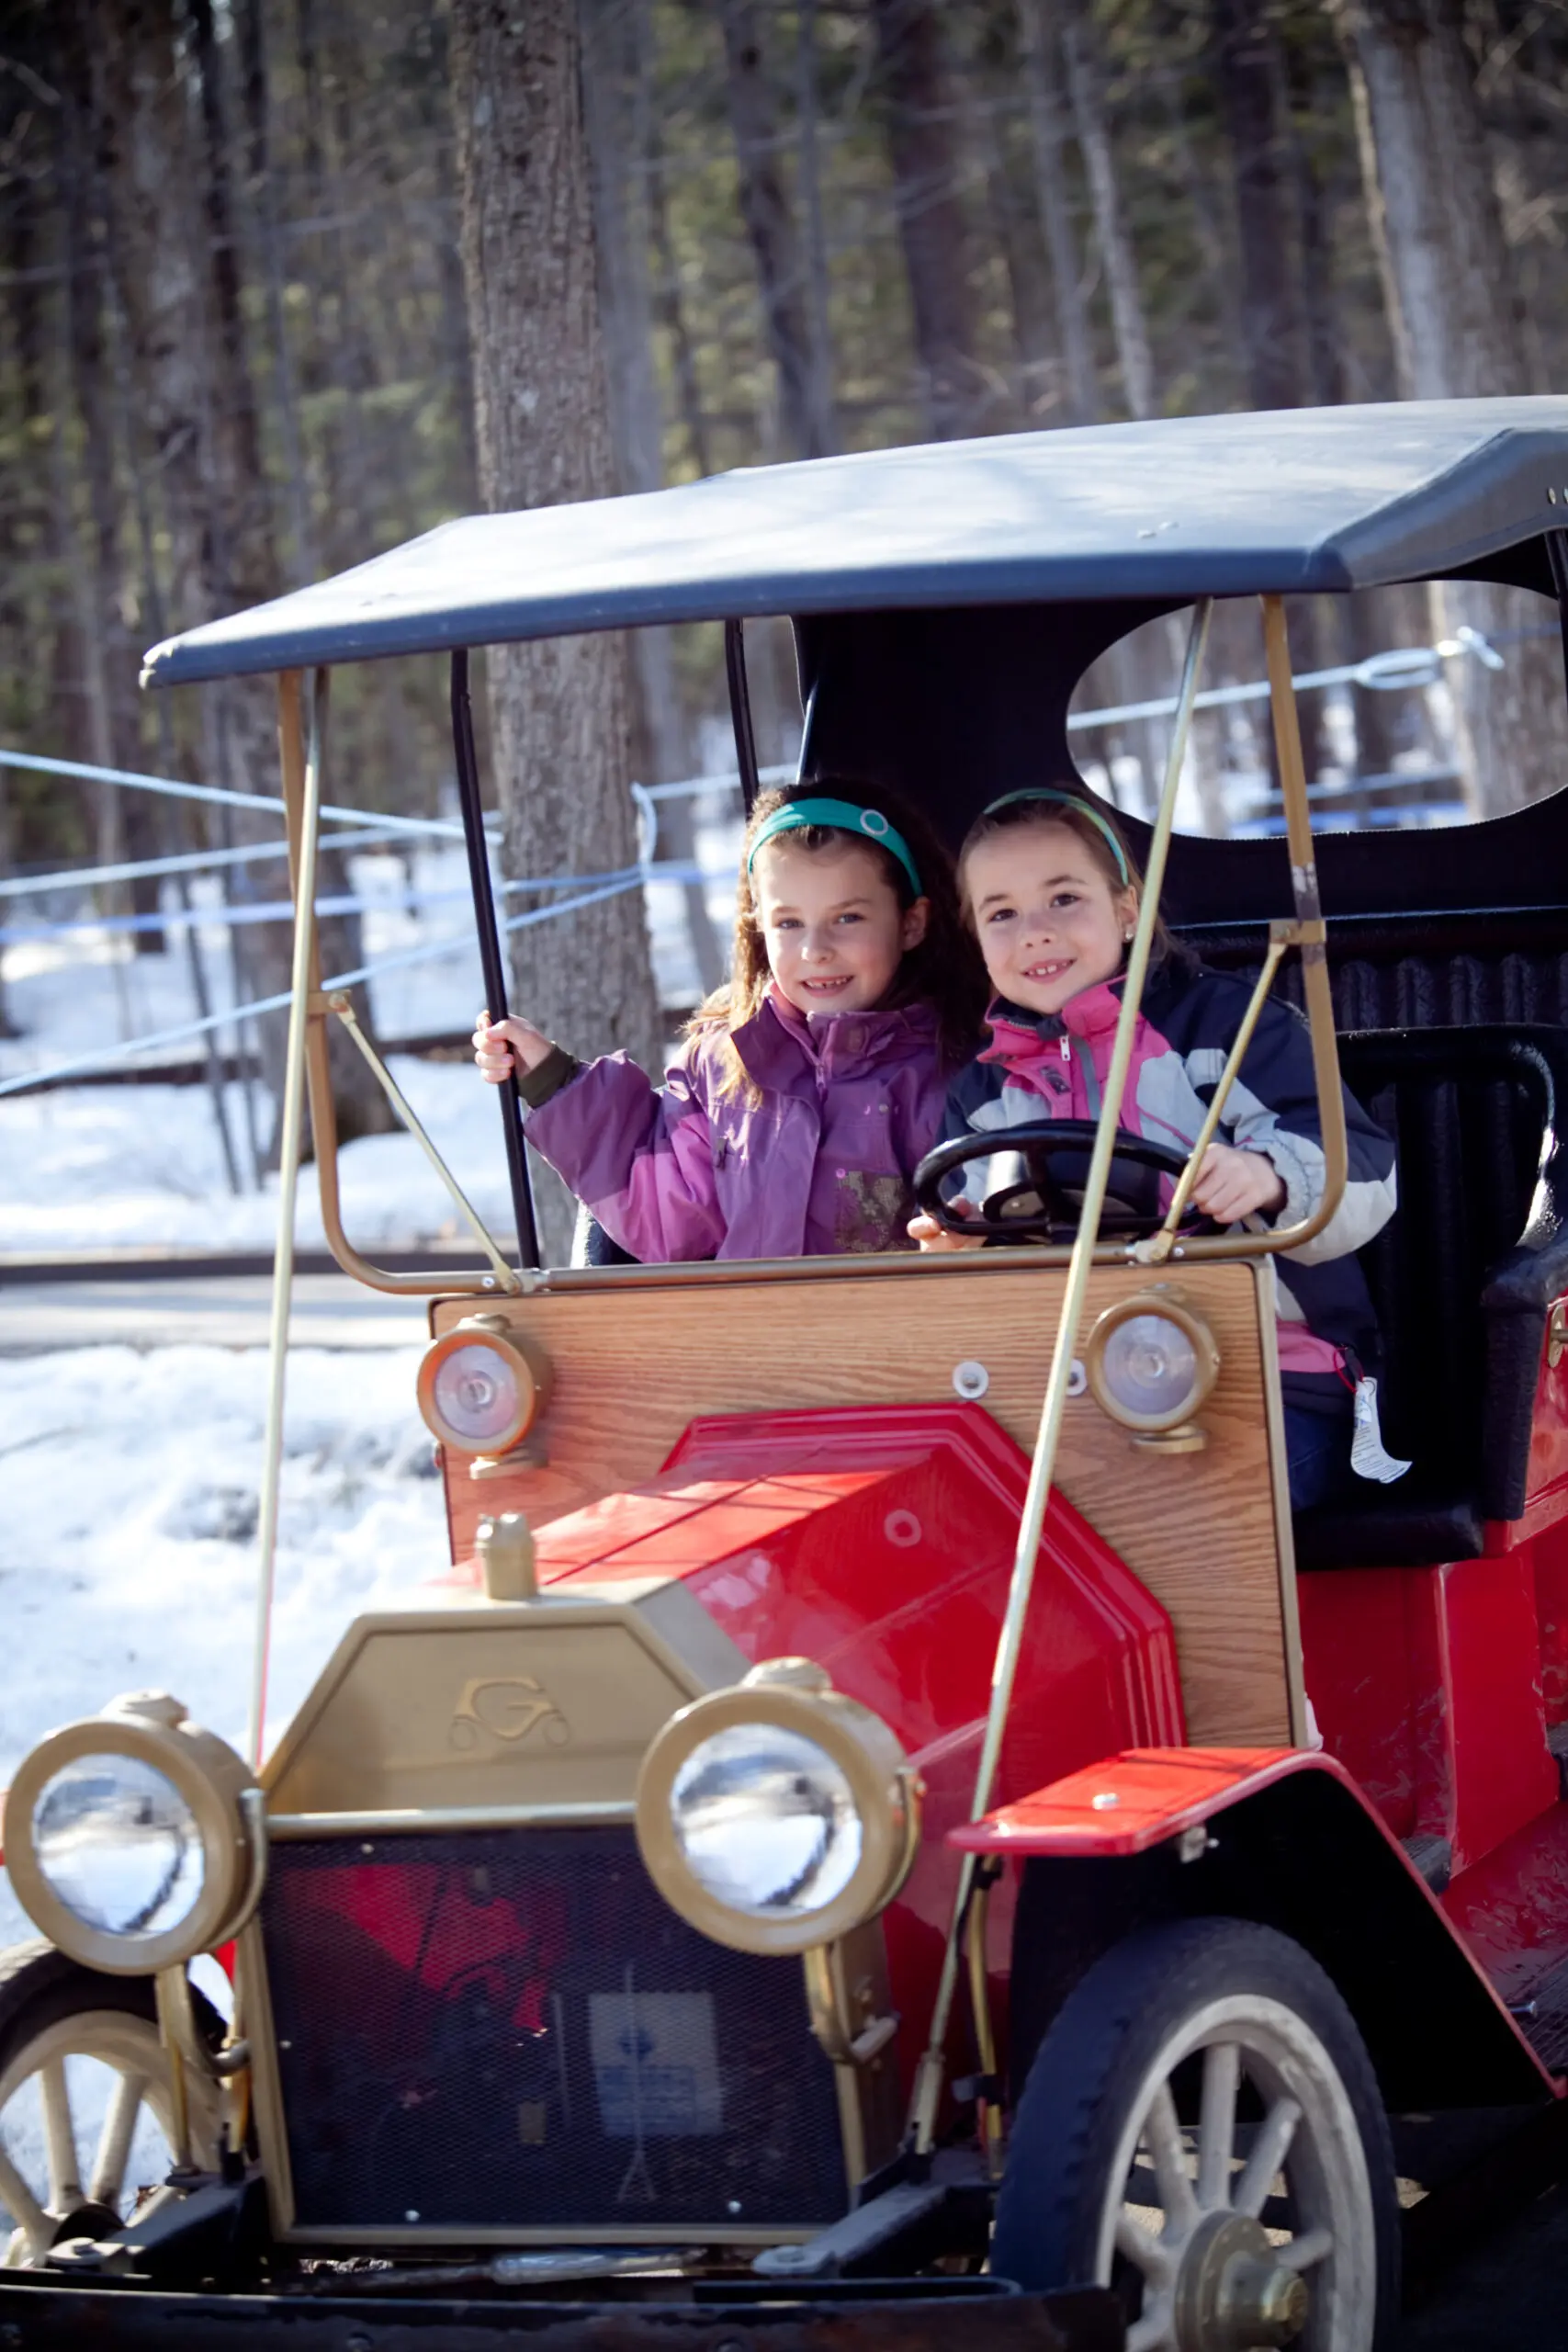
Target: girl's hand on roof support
500, 1046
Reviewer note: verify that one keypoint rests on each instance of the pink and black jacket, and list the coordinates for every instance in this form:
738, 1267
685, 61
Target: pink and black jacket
1054, 1065
812, 1158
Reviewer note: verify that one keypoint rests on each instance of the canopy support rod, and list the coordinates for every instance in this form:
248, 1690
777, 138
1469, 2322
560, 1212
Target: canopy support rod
1042, 1469
301, 762
741, 712
1557, 557
491, 962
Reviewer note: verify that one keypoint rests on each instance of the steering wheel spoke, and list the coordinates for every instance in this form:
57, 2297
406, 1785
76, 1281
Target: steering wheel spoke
1135, 1200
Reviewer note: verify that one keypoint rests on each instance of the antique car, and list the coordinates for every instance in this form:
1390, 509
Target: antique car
853, 1858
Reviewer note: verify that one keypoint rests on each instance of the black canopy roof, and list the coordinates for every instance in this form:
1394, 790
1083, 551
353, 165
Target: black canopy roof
1289, 500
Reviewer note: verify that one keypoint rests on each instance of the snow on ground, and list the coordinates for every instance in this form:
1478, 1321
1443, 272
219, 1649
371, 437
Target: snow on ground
127, 1534
107, 1167
101, 1167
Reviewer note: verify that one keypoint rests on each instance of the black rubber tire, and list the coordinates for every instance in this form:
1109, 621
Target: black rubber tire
38, 1986
1096, 2055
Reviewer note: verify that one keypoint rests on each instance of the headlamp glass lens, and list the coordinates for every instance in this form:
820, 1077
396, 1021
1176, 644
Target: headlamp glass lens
476, 1393
118, 1846
1150, 1366
766, 1821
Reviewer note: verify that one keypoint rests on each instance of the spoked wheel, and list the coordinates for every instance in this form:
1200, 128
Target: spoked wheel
86, 2110
1202, 2130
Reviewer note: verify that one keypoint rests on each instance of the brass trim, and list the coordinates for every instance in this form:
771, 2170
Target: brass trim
528, 1364
317, 1013
253, 2008
1284, 1527
1166, 1301
990, 2115
211, 1778
927, 2093
284, 1829
500, 2235
342, 1005
1556, 1333
860, 1743
1158, 1248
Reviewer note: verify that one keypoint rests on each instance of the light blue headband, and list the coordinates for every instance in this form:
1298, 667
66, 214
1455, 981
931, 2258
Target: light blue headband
844, 817
1066, 800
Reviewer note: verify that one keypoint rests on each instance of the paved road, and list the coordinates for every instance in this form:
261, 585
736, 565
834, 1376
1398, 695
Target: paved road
219, 1311
1510, 2292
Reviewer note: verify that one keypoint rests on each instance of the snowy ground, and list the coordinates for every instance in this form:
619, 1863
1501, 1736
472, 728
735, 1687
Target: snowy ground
99, 1167
127, 1530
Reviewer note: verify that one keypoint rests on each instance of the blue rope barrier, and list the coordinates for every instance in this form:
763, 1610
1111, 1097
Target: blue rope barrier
102, 1058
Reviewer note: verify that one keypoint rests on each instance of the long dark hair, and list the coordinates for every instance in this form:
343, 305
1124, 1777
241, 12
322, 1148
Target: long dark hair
944, 969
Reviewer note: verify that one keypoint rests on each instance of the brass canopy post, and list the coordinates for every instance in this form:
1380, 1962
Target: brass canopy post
1009, 1644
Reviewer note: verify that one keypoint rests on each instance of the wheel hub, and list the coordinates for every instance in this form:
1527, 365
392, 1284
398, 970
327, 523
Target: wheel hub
1232, 2293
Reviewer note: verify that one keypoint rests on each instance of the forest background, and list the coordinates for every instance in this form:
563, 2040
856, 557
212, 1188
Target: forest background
286, 282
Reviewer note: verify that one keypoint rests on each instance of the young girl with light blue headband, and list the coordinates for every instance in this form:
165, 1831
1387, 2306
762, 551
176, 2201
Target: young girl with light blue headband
1053, 895
807, 1091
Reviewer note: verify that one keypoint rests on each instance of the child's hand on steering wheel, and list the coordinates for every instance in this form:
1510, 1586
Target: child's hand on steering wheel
932, 1236
1235, 1185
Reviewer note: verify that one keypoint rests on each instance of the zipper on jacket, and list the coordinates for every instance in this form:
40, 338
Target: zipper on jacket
1091, 1075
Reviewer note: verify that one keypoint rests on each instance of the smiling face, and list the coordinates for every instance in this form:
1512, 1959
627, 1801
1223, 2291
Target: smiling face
1049, 920
832, 925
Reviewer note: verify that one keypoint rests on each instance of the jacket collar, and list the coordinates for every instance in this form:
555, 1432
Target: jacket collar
1018, 1036
839, 1044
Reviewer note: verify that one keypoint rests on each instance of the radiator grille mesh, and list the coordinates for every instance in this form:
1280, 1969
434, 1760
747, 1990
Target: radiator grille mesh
513, 2029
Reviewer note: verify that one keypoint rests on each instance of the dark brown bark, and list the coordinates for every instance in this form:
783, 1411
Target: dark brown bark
613, 90
1273, 331
559, 710
1458, 333
1129, 323
1041, 57
922, 114
756, 123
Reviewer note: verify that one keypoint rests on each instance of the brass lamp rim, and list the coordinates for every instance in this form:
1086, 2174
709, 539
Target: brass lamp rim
1167, 1302
209, 1777
532, 1378
884, 1790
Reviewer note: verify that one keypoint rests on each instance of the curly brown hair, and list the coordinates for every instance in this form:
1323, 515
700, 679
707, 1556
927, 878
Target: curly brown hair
944, 969
1029, 816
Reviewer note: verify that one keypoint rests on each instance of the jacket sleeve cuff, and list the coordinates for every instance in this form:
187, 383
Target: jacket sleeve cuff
546, 1078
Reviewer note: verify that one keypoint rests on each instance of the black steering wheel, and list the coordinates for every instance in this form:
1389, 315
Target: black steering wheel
1043, 1204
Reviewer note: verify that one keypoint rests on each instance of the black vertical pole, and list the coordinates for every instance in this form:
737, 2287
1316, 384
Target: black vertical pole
741, 712
1557, 557
491, 961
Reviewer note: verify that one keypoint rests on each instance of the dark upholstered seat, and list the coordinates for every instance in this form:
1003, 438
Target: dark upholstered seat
1462, 1278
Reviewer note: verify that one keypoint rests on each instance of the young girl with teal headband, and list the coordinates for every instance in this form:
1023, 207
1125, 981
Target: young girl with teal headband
807, 1091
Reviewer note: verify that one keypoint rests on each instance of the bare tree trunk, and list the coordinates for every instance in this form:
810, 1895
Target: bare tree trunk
559, 710
176, 269
921, 112
1011, 216
810, 180
1042, 68
1458, 333
1127, 316
669, 308
769, 224
1273, 331
613, 88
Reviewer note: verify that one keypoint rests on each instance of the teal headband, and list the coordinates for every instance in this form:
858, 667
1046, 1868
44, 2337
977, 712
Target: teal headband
1066, 800
844, 817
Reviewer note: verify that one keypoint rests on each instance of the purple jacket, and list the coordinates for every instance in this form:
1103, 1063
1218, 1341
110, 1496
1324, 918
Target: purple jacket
850, 1102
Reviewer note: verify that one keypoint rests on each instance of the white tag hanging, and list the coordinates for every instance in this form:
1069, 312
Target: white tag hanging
1369, 1458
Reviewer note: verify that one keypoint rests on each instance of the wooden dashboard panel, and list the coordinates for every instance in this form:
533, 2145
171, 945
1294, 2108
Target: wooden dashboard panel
634, 1362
